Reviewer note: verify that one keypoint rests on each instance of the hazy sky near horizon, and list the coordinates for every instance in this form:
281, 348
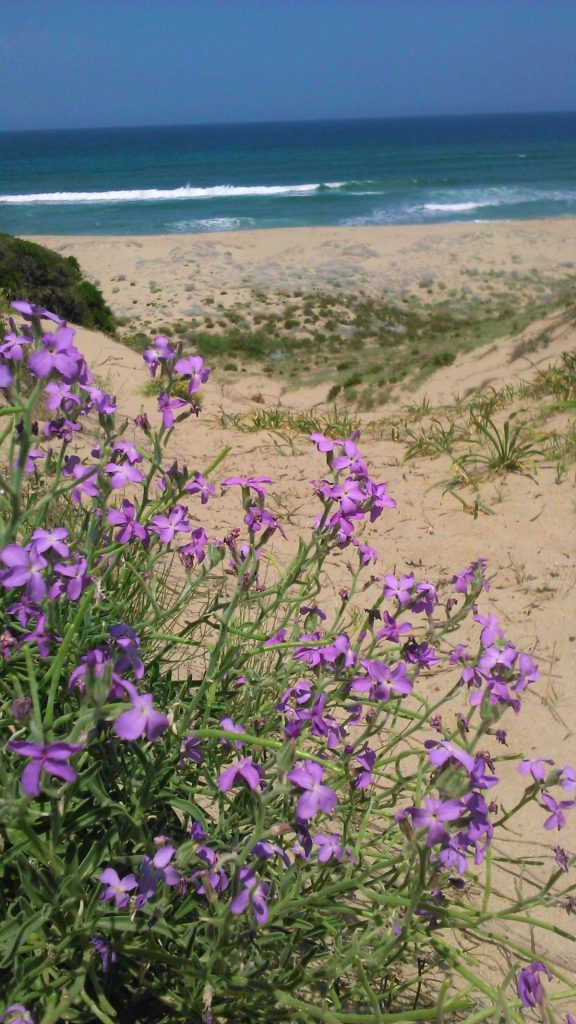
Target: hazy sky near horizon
89, 63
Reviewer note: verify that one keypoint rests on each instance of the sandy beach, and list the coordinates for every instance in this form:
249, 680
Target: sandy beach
164, 277
526, 532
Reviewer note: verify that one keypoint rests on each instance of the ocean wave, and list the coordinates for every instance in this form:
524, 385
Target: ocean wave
212, 224
499, 197
454, 207
147, 195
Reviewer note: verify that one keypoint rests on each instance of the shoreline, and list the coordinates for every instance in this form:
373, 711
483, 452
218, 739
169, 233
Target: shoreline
397, 225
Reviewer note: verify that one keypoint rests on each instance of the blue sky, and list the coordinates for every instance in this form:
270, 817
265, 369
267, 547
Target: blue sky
85, 63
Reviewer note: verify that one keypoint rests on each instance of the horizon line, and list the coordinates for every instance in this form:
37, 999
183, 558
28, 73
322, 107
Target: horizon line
286, 121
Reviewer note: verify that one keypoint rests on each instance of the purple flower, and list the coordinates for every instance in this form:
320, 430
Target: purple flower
195, 548
535, 768
401, 589
350, 459
339, 649
316, 797
378, 500
433, 816
104, 950
50, 758
424, 599
529, 985
366, 760
127, 639
117, 888
568, 778
155, 870
51, 540
420, 653
191, 750
13, 347
256, 518
32, 456
192, 368
441, 752
57, 354
391, 629
200, 485
252, 894
143, 422
330, 847
142, 718
28, 310
276, 638
93, 665
25, 567
323, 443
214, 880
321, 725
86, 477
78, 578
167, 526
122, 475
313, 610
367, 554
557, 818
160, 352
166, 405
128, 526
249, 482
265, 850
241, 771
5, 377
128, 451
463, 579
300, 693
104, 404
59, 395
491, 628
16, 1013
231, 726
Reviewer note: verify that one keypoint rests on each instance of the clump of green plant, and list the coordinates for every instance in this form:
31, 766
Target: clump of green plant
509, 449
223, 798
39, 275
338, 423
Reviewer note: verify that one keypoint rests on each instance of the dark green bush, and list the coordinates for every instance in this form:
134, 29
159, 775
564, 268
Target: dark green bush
43, 277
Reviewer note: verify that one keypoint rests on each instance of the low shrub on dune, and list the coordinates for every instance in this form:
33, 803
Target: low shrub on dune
41, 276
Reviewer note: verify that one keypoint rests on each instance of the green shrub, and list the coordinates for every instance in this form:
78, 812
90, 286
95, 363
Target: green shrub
45, 278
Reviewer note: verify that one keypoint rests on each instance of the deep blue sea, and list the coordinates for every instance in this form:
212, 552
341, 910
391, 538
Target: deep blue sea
225, 177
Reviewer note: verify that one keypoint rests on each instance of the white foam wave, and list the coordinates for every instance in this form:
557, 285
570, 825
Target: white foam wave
504, 196
454, 207
213, 224
146, 195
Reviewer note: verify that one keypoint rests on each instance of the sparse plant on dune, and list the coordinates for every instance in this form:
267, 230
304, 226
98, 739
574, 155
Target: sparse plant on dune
510, 449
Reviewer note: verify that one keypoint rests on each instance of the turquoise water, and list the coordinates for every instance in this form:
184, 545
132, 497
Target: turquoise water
226, 177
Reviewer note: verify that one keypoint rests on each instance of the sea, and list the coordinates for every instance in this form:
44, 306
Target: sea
206, 178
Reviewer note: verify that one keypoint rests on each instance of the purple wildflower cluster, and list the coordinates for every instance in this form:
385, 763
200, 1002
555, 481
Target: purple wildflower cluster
312, 758
48, 570
354, 497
